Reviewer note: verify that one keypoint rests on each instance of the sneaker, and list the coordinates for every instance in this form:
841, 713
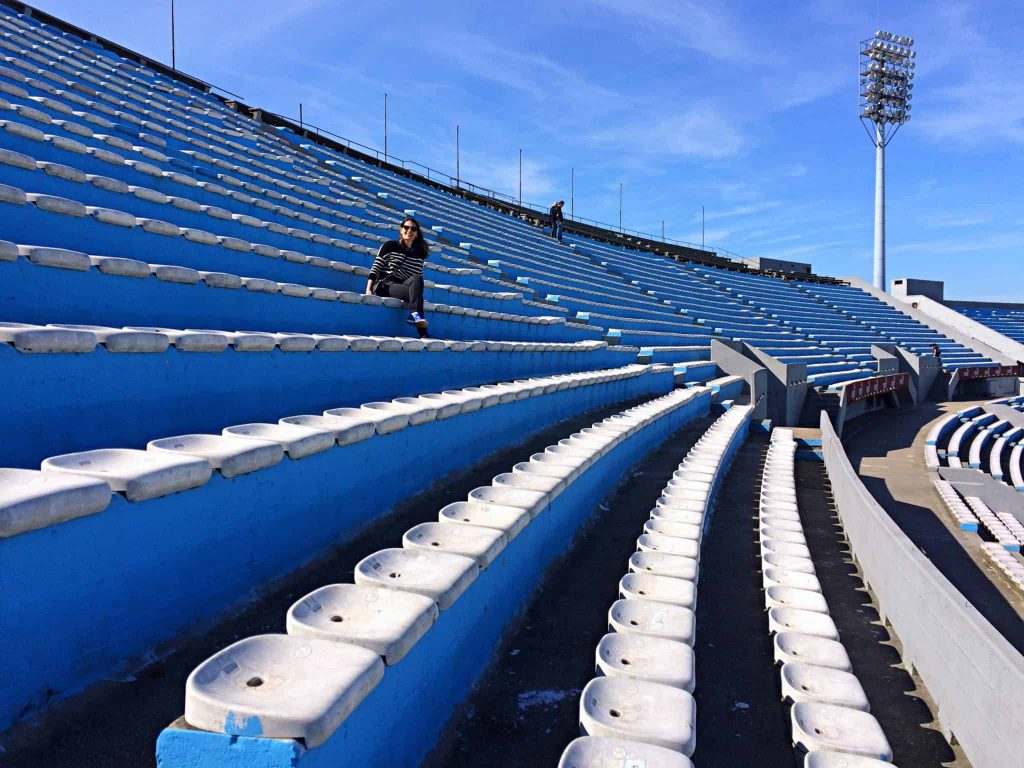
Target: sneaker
415, 318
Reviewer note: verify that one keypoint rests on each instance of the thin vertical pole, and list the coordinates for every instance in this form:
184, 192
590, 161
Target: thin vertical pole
662, 230
385, 126
457, 158
572, 195
620, 206
879, 280
520, 176
174, 59
300, 115
702, 226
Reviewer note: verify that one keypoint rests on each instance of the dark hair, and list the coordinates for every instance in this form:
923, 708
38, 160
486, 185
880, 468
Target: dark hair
419, 245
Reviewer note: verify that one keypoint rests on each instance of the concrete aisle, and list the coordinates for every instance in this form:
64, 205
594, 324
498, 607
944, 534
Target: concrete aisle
526, 709
887, 451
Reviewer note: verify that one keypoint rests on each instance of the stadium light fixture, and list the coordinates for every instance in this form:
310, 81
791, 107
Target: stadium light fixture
886, 81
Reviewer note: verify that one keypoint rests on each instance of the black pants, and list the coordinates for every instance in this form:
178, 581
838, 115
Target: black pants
411, 291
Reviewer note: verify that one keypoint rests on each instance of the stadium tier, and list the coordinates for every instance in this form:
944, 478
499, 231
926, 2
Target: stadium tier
203, 401
1007, 320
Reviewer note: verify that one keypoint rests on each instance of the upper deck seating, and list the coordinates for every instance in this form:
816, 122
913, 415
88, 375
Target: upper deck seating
1009, 321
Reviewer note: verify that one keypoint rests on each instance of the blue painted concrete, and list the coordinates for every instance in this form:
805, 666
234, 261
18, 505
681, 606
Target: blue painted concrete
84, 597
102, 400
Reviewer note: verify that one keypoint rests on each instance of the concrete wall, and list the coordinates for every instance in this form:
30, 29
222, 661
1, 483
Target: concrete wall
729, 357
973, 674
907, 286
787, 387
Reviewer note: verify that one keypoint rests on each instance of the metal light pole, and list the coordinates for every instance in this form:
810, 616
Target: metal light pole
702, 226
620, 206
520, 176
886, 85
174, 60
458, 173
301, 124
572, 195
385, 126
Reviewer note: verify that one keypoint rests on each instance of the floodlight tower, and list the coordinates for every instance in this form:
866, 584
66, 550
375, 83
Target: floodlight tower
886, 85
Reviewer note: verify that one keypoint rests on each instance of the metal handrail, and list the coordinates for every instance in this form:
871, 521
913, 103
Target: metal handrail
432, 174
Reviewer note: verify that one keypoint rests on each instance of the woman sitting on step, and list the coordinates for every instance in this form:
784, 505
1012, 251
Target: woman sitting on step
398, 271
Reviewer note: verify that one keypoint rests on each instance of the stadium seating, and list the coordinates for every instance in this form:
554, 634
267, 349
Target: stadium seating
351, 682
645, 664
201, 400
830, 711
1008, 320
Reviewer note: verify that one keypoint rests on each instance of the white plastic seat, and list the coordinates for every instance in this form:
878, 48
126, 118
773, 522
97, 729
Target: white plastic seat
773, 576
38, 339
772, 533
388, 622
532, 501
384, 421
689, 494
798, 647
549, 486
806, 622
686, 505
279, 686
297, 441
775, 547
819, 759
663, 589
475, 541
649, 617
673, 528
673, 515
441, 576
788, 562
791, 597
841, 729
139, 475
656, 542
509, 520
232, 456
779, 512
661, 564
604, 752
640, 711
824, 685
30, 499
418, 411
347, 430
641, 657
779, 523
562, 474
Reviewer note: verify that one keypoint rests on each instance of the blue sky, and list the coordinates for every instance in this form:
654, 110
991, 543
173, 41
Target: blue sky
746, 108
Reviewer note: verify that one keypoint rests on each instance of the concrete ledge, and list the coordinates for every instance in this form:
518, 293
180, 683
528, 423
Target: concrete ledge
974, 675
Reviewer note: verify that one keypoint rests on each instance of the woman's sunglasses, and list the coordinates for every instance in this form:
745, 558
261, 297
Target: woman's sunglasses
407, 228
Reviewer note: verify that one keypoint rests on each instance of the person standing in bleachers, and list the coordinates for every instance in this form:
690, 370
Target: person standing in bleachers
555, 215
397, 271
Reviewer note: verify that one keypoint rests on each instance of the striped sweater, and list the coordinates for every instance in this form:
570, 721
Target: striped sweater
395, 263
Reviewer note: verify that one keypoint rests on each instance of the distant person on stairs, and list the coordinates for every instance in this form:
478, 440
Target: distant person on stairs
937, 352
555, 214
397, 271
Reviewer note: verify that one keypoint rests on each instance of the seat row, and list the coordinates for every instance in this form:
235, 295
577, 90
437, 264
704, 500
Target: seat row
640, 709
370, 671
242, 505
1009, 563
830, 715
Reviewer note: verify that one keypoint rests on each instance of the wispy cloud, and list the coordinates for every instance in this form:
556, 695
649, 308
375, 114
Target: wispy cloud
744, 210
701, 132
698, 26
